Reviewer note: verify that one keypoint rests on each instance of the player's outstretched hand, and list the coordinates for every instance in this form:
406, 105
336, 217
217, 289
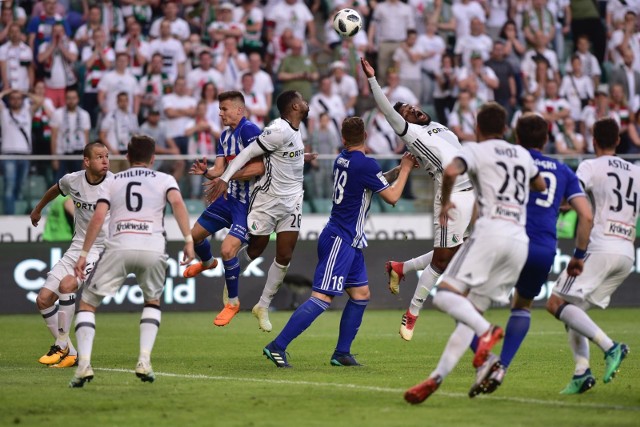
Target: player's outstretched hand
189, 253
308, 157
214, 189
408, 161
575, 267
35, 217
367, 68
444, 213
199, 167
81, 264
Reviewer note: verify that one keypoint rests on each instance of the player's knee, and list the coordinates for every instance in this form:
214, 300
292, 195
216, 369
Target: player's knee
360, 293
45, 300
553, 305
283, 259
68, 285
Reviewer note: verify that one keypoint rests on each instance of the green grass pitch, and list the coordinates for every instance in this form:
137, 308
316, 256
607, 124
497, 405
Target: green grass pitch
218, 377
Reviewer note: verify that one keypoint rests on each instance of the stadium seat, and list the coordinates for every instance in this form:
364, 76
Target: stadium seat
323, 205
403, 207
35, 187
194, 206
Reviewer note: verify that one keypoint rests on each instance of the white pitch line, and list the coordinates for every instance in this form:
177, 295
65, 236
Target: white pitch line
386, 390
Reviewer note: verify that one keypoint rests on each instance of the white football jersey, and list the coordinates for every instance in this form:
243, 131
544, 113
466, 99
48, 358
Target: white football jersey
137, 198
283, 161
501, 173
434, 146
84, 196
613, 185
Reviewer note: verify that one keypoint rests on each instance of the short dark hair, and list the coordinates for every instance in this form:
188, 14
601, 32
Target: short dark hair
606, 133
491, 119
123, 93
88, 149
71, 89
353, 131
141, 149
232, 95
398, 105
411, 31
119, 54
285, 101
204, 89
532, 131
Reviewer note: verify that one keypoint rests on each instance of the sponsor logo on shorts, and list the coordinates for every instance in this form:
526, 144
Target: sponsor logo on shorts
254, 226
455, 238
133, 226
620, 229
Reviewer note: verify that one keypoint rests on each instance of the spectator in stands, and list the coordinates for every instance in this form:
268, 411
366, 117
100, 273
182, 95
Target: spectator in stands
537, 82
343, 85
262, 82
117, 129
395, 92
325, 140
497, 16
529, 105
381, 138
15, 121
634, 134
40, 28
302, 26
178, 27
58, 57
179, 108
232, 63
590, 65
445, 90
514, 50
462, 120
626, 38
628, 76
278, 47
592, 113
325, 101
117, 81
255, 104
192, 49
475, 41
505, 93
210, 96
388, 28
70, 127
620, 106
11, 14
140, 10
567, 140
199, 131
136, 47
16, 60
484, 77
433, 47
552, 107
249, 14
98, 58
171, 50
157, 129
539, 25
153, 86
84, 34
408, 61
585, 19
462, 13
112, 20
577, 88
200, 15
224, 26
297, 71
533, 55
41, 131
198, 77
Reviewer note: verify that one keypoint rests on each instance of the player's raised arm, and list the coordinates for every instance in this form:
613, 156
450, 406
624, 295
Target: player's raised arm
93, 229
51, 194
182, 218
393, 117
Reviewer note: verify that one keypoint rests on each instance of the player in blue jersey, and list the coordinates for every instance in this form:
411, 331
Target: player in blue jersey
229, 210
340, 259
542, 215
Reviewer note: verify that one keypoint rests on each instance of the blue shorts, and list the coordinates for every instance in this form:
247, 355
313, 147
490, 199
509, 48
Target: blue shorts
340, 266
226, 213
535, 272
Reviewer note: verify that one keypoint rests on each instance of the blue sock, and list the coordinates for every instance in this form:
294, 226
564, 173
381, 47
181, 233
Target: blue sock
300, 320
517, 328
231, 273
203, 250
350, 323
474, 343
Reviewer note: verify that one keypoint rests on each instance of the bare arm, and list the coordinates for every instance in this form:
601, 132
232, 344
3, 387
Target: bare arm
51, 194
396, 121
393, 193
392, 174
538, 183
182, 218
255, 167
585, 220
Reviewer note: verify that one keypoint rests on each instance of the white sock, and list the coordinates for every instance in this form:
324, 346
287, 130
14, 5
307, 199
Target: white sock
275, 276
66, 309
208, 262
426, 282
234, 301
462, 310
85, 332
243, 258
575, 318
149, 324
50, 317
457, 345
418, 263
580, 347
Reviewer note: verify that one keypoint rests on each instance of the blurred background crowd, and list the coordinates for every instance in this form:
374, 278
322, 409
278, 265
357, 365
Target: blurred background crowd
77, 70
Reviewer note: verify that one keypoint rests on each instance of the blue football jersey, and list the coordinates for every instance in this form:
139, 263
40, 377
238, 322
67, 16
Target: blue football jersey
355, 178
229, 146
543, 207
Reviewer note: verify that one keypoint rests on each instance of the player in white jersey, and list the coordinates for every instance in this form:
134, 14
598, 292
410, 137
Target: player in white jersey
276, 202
489, 263
612, 184
434, 146
83, 187
137, 199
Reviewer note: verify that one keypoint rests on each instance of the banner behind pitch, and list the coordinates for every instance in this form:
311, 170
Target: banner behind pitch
24, 267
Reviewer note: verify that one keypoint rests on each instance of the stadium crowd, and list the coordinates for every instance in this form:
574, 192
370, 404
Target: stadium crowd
76, 70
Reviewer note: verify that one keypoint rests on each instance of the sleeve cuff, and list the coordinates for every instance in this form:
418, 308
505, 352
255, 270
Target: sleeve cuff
104, 201
259, 142
60, 189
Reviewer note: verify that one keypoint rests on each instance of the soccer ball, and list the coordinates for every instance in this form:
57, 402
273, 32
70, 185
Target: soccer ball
347, 23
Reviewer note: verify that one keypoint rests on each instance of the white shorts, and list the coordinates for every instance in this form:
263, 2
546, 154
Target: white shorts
601, 276
116, 264
457, 228
268, 213
66, 266
488, 268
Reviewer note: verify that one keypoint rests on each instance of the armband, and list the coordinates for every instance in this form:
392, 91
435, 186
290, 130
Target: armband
579, 253
84, 254
188, 238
